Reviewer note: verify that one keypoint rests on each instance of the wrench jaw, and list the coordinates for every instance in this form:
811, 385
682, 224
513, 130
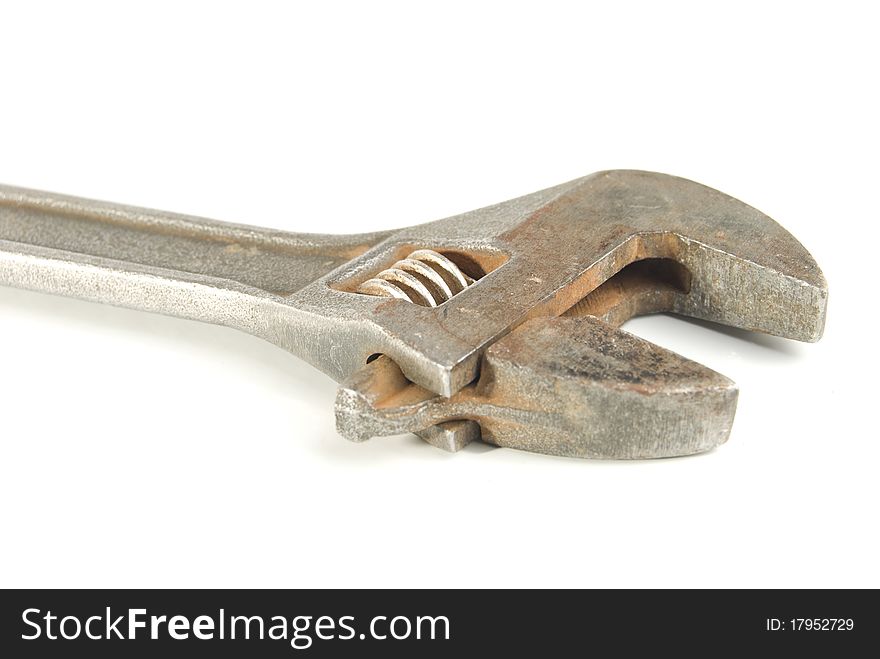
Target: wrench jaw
603, 393
773, 299
574, 387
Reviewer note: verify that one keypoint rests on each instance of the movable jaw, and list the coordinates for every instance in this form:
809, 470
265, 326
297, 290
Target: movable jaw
578, 260
575, 387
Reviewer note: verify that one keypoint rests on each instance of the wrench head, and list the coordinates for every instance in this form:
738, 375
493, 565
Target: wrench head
540, 255
595, 250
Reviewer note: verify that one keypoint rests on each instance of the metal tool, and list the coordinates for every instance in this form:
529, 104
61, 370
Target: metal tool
500, 324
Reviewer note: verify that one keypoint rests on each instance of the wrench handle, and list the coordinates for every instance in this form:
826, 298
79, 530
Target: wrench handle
156, 261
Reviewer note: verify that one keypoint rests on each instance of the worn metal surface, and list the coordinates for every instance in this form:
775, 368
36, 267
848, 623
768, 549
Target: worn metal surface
557, 257
565, 386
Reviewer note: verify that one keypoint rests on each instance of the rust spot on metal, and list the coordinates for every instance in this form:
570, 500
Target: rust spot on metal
645, 286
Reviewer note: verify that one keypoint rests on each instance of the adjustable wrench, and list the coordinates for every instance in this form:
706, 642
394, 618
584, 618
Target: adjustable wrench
500, 324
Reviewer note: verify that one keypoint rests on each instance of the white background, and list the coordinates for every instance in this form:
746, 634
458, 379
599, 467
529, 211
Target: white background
140, 450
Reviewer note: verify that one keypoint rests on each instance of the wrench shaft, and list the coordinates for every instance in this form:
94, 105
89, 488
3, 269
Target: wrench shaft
162, 262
